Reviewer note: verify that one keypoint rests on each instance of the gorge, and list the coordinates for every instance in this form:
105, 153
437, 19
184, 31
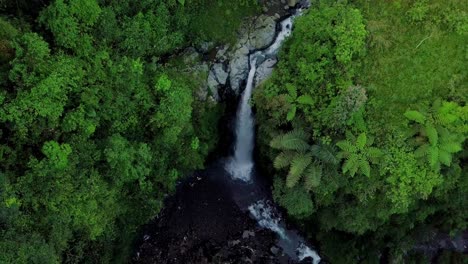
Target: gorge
242, 185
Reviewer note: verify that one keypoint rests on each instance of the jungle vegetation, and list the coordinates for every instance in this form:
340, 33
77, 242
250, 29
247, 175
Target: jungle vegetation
364, 125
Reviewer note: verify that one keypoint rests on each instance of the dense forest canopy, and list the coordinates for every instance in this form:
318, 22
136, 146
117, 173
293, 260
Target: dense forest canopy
363, 123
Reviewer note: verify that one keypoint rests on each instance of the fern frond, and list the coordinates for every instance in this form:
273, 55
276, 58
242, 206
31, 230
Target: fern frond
345, 145
431, 134
415, 116
283, 159
451, 147
291, 113
422, 151
364, 167
433, 156
361, 141
313, 175
374, 153
324, 153
350, 165
298, 166
293, 140
305, 100
445, 157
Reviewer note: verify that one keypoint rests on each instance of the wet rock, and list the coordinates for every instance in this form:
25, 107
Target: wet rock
292, 3
239, 67
274, 250
247, 234
262, 33
264, 70
219, 73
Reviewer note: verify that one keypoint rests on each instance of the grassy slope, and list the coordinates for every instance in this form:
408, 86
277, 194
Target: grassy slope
409, 63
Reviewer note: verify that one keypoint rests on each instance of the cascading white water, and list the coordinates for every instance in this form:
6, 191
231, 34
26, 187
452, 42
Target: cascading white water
241, 163
240, 166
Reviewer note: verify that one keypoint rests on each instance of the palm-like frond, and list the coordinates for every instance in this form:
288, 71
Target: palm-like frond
445, 157
305, 100
431, 134
415, 116
361, 141
364, 167
313, 175
293, 140
324, 153
451, 147
346, 146
421, 151
283, 159
298, 166
351, 165
374, 153
433, 156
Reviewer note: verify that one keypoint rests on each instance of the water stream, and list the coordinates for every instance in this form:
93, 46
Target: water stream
241, 164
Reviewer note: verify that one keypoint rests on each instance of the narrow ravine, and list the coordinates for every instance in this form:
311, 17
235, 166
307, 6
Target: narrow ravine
241, 164
226, 214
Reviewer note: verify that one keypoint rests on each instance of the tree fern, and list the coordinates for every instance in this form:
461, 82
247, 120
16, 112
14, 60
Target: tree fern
324, 153
361, 141
313, 176
346, 146
298, 166
364, 166
431, 134
283, 160
293, 140
415, 116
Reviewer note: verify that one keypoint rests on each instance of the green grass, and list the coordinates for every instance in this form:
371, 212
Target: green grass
409, 62
218, 21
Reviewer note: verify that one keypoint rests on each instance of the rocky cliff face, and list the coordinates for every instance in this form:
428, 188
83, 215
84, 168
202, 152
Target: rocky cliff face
227, 66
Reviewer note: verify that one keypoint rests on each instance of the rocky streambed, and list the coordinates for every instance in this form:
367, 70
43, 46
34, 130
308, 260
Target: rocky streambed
202, 223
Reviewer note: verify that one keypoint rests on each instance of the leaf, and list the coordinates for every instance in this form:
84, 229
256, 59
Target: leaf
364, 167
451, 147
298, 165
374, 153
422, 151
445, 157
345, 145
415, 116
361, 141
182, 2
433, 156
305, 100
432, 134
293, 140
324, 153
313, 176
351, 164
283, 160
291, 113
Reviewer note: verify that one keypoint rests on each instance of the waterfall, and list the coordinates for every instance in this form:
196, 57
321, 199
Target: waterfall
241, 164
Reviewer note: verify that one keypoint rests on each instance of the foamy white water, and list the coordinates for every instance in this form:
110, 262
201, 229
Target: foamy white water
241, 164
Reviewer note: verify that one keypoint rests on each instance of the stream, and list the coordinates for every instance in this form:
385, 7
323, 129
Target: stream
225, 214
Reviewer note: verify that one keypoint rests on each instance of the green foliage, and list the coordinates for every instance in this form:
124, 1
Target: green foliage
403, 95
358, 155
95, 131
